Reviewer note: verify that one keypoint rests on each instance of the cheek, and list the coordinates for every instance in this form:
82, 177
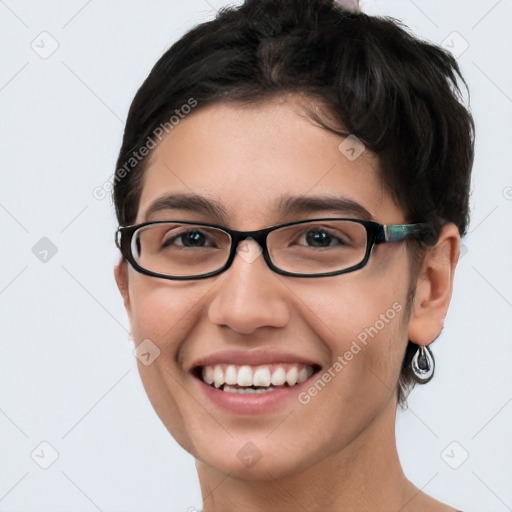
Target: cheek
164, 311
360, 318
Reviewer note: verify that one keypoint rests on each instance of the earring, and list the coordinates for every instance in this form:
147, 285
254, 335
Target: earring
423, 364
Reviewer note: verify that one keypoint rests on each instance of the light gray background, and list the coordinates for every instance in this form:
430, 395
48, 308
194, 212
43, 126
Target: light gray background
68, 374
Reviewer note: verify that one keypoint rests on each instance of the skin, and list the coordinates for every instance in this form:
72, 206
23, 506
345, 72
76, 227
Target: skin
337, 453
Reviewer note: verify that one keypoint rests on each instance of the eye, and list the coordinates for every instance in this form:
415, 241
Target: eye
320, 238
192, 238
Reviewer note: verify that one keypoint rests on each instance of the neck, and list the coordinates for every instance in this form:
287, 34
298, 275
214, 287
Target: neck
365, 475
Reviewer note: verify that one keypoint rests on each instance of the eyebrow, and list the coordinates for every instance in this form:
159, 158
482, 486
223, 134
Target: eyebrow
293, 205
285, 205
188, 202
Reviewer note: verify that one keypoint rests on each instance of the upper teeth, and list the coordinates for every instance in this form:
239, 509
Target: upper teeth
263, 375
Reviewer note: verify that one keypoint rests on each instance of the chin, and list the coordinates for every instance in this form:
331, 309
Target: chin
260, 459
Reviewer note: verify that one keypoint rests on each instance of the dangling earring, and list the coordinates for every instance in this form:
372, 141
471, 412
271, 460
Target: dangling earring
423, 364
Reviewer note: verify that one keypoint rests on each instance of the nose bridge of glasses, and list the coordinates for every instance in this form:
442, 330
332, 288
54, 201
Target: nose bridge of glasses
259, 236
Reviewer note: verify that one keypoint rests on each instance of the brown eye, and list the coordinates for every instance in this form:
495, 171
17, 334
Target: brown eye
320, 238
187, 239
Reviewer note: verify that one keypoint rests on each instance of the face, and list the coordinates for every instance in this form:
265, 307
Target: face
347, 329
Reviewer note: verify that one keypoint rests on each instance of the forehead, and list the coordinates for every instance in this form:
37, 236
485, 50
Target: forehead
249, 159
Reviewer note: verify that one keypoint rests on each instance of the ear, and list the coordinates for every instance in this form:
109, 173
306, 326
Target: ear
434, 287
121, 276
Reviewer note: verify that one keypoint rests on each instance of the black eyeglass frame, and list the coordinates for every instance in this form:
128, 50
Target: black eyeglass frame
376, 234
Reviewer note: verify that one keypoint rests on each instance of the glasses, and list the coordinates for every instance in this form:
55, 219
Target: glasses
184, 250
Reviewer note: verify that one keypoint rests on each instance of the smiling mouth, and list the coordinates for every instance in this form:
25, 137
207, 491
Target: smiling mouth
246, 379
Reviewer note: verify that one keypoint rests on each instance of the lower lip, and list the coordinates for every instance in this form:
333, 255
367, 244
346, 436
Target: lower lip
253, 403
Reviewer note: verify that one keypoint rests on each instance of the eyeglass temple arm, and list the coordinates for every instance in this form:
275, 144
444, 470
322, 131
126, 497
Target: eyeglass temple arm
398, 232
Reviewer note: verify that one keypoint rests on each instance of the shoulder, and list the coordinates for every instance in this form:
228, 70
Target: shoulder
425, 503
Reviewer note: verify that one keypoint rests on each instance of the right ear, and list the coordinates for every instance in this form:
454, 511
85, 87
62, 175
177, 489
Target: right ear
121, 275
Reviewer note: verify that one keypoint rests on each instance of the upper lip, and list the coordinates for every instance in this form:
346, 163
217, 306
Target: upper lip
252, 357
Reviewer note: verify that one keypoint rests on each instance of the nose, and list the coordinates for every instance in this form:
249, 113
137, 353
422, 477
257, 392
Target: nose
249, 295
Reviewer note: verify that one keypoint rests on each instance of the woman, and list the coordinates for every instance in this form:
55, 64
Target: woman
291, 191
